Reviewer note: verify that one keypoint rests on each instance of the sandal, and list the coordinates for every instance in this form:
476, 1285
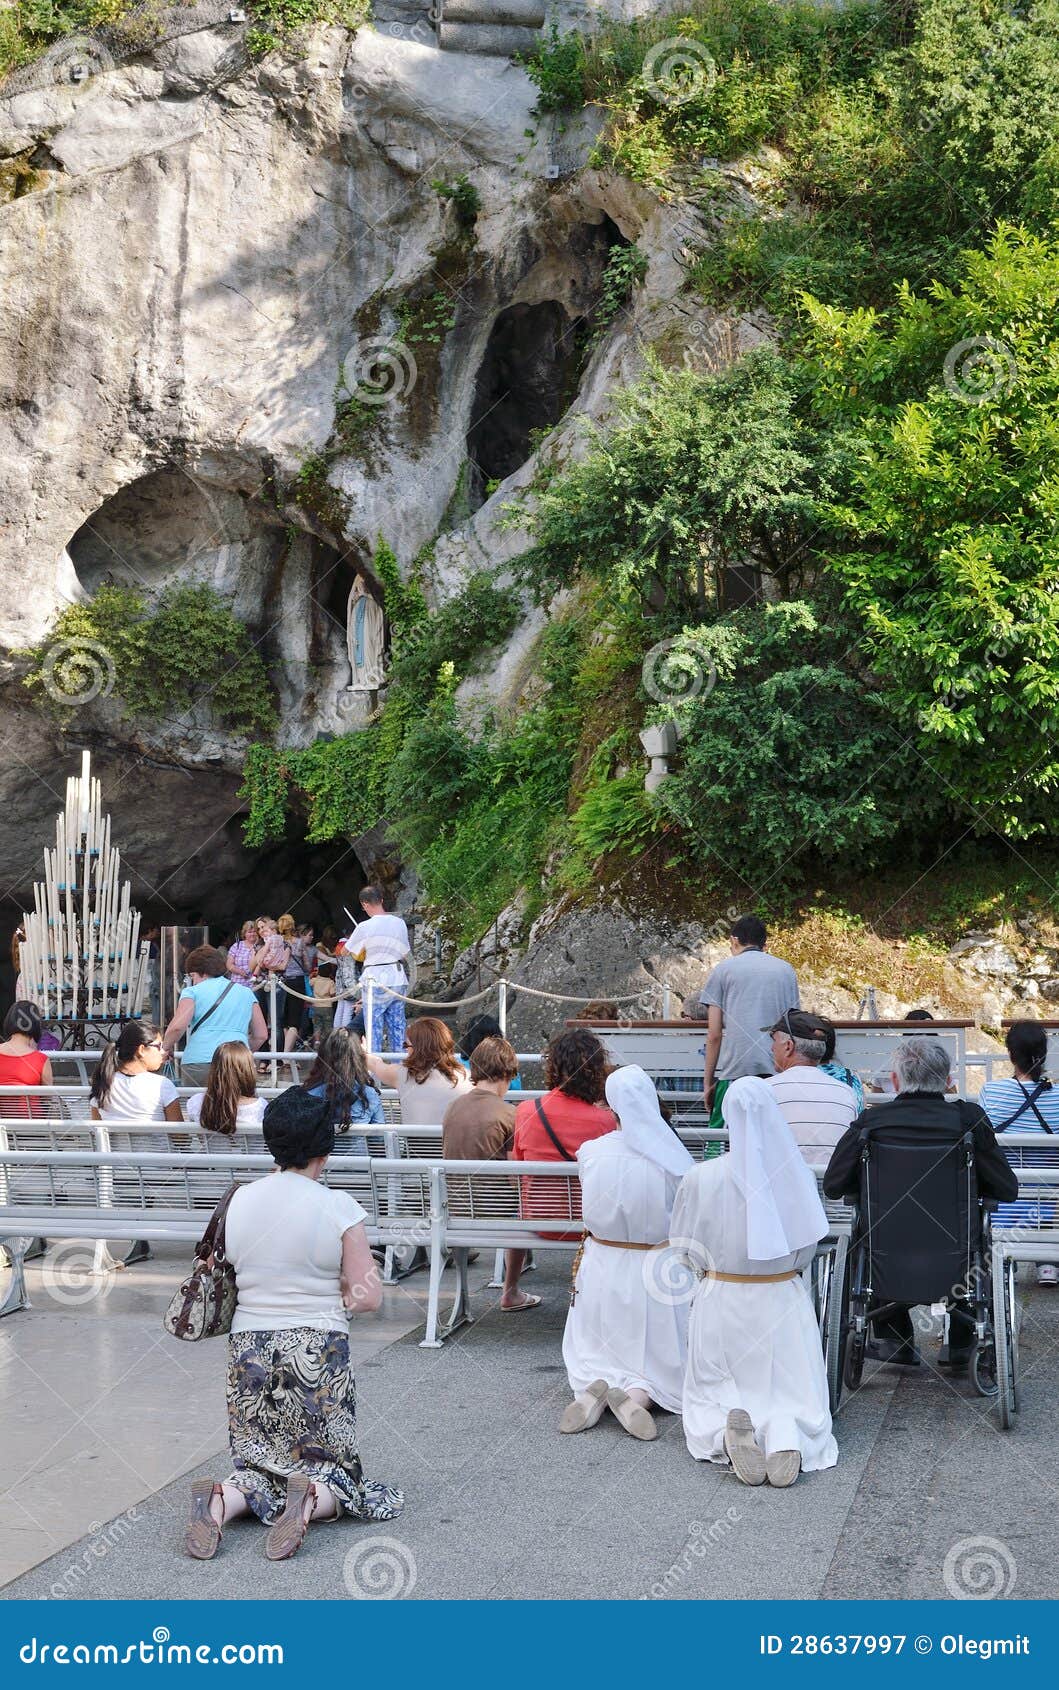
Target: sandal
203, 1534
285, 1537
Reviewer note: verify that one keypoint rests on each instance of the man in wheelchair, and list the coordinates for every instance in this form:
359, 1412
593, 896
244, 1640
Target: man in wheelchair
917, 1167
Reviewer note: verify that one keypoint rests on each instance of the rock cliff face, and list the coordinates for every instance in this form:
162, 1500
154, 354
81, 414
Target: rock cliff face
214, 272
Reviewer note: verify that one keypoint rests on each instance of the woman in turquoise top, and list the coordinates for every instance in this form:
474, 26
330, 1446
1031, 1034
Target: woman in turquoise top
212, 1011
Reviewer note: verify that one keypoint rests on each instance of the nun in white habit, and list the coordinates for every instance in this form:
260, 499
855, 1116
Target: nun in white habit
755, 1393
625, 1339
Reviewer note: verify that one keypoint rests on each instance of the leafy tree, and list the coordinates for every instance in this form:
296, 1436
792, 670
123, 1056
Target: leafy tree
696, 471
945, 540
789, 755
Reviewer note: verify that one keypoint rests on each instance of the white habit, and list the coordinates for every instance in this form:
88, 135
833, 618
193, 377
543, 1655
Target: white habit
628, 1321
754, 1346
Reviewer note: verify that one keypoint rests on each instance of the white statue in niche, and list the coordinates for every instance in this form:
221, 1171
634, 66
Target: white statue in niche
365, 639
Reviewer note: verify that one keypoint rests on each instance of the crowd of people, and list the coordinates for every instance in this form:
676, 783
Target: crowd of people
687, 1290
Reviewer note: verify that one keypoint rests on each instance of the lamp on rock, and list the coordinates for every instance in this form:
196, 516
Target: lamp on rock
659, 743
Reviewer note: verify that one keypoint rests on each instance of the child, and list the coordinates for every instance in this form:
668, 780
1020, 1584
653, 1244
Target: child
324, 996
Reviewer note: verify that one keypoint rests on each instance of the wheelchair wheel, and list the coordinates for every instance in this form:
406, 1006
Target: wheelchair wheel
983, 1368
1006, 1344
835, 1319
853, 1363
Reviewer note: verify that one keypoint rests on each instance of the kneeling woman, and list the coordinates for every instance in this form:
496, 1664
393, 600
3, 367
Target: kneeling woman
625, 1339
755, 1392
302, 1267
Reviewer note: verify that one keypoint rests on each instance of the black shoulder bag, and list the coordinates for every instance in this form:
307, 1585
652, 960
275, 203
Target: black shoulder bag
546, 1124
216, 1004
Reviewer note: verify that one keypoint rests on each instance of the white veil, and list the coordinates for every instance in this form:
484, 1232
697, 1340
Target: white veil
783, 1208
632, 1096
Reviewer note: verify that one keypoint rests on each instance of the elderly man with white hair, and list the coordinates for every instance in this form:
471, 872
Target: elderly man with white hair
626, 1333
920, 1075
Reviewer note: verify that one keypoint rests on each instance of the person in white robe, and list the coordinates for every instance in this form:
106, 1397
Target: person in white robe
755, 1392
625, 1342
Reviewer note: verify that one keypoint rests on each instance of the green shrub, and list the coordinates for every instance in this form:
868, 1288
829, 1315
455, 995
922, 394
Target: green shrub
943, 540
790, 759
183, 650
696, 471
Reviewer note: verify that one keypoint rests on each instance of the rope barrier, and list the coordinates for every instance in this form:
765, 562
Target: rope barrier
425, 1003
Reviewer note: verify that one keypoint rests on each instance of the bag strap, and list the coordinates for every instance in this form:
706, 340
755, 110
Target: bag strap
1029, 1101
216, 1004
212, 1241
546, 1124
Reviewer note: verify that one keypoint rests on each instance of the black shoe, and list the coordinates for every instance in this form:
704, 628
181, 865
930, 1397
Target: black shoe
893, 1353
140, 1252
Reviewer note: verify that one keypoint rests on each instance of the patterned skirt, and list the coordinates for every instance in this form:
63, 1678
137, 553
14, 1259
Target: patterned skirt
292, 1409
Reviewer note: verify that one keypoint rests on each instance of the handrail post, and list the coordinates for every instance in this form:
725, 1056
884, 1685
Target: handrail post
501, 1007
272, 1034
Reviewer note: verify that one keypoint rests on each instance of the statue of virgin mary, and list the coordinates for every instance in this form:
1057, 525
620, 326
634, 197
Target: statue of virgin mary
365, 639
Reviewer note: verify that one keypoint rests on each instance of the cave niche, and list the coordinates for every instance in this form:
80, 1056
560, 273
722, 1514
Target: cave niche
525, 382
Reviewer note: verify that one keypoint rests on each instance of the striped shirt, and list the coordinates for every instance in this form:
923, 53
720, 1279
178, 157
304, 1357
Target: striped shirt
1000, 1099
817, 1108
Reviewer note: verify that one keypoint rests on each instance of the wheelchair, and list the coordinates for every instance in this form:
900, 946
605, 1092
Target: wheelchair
920, 1235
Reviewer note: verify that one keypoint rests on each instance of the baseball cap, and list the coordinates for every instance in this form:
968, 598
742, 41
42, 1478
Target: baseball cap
801, 1024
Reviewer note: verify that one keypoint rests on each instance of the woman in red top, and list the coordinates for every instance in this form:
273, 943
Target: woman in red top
550, 1129
21, 1063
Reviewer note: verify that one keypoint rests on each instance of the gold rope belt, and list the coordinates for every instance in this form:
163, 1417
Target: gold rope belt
750, 1278
612, 1244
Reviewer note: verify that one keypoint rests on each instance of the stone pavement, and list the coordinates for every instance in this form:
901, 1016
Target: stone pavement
498, 1505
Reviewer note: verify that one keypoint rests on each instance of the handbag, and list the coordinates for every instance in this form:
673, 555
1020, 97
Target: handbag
204, 1304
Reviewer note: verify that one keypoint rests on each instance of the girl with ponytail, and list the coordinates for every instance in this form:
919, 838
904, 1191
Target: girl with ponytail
128, 1084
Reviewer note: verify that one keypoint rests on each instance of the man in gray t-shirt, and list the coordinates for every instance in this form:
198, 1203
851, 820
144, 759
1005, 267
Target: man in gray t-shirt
745, 994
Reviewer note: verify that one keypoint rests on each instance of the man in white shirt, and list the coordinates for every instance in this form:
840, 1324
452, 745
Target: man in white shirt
817, 1107
382, 942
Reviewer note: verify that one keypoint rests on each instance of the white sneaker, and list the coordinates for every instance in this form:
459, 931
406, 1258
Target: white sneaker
1047, 1273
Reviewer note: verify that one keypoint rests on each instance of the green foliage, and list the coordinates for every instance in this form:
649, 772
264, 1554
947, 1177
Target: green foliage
282, 20
625, 269
425, 319
29, 27
397, 767
614, 816
896, 132
260, 42
557, 66
789, 758
944, 538
696, 470
463, 196
184, 650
